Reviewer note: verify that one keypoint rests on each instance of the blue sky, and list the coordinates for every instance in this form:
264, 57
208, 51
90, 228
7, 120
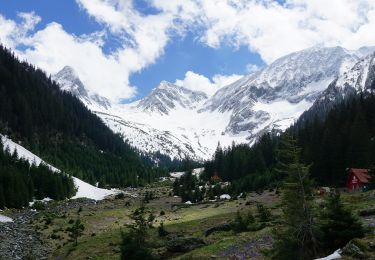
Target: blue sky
122, 49
181, 54
187, 54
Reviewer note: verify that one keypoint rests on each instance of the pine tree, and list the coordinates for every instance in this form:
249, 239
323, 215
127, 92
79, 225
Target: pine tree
337, 225
296, 238
133, 246
76, 230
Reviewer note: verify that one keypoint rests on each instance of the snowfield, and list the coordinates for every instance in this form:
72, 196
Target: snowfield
84, 189
4, 219
335, 255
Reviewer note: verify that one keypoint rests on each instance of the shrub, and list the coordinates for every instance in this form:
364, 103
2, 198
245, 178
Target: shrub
48, 220
242, 222
264, 214
161, 230
39, 205
120, 195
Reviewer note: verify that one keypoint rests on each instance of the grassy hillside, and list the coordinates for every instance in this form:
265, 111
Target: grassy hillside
104, 221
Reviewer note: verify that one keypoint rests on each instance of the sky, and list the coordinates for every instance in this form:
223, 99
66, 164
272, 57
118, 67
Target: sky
122, 49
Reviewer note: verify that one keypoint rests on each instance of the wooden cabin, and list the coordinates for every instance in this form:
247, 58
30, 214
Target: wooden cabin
357, 179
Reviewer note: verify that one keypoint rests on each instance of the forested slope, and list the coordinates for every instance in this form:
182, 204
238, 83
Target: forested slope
60, 129
20, 182
344, 138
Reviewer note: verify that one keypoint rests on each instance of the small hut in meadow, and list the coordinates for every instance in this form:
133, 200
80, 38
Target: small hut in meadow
357, 179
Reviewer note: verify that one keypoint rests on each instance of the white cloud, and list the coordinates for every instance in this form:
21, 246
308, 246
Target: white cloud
251, 68
53, 48
197, 82
7, 28
264, 26
11, 33
274, 30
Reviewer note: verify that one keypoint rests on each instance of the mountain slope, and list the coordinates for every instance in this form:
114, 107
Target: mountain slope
168, 96
21, 180
360, 79
294, 80
182, 123
83, 189
343, 138
56, 126
72, 84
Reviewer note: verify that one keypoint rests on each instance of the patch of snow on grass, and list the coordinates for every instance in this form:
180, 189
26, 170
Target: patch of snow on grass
225, 197
4, 219
335, 255
86, 190
196, 172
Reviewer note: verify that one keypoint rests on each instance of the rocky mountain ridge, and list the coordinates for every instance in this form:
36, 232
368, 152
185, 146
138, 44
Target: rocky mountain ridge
180, 123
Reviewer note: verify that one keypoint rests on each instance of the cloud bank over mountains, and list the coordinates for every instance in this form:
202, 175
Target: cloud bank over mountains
269, 28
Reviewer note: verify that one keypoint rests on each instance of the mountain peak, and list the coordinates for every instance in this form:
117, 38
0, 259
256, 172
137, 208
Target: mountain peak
67, 70
69, 81
167, 96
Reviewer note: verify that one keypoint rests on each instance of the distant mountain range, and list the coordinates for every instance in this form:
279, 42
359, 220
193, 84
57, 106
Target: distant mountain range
180, 123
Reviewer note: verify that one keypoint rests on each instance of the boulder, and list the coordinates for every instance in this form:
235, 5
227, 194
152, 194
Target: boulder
221, 227
353, 250
183, 244
366, 212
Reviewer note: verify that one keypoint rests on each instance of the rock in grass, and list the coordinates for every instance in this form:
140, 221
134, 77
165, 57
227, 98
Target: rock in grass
353, 250
367, 212
183, 244
222, 227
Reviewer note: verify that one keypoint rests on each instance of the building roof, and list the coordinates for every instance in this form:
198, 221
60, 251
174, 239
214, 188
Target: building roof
362, 174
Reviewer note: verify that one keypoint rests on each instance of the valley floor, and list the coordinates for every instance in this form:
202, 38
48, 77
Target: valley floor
44, 234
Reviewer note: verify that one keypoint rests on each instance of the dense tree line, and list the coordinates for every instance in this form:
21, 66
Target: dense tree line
57, 126
344, 138
248, 168
20, 182
169, 164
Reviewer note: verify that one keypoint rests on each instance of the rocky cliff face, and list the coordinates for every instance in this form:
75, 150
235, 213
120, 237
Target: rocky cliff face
69, 81
168, 96
360, 79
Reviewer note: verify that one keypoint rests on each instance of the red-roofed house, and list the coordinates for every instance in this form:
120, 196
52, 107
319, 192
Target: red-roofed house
357, 178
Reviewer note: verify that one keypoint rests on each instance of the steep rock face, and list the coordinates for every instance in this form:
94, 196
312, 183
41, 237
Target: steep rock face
180, 123
168, 96
69, 81
360, 79
297, 79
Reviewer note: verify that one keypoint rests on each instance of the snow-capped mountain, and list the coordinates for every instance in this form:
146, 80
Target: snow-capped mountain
179, 122
358, 79
69, 81
168, 96
274, 97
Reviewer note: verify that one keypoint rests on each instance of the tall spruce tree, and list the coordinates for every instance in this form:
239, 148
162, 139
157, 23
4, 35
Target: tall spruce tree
295, 239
